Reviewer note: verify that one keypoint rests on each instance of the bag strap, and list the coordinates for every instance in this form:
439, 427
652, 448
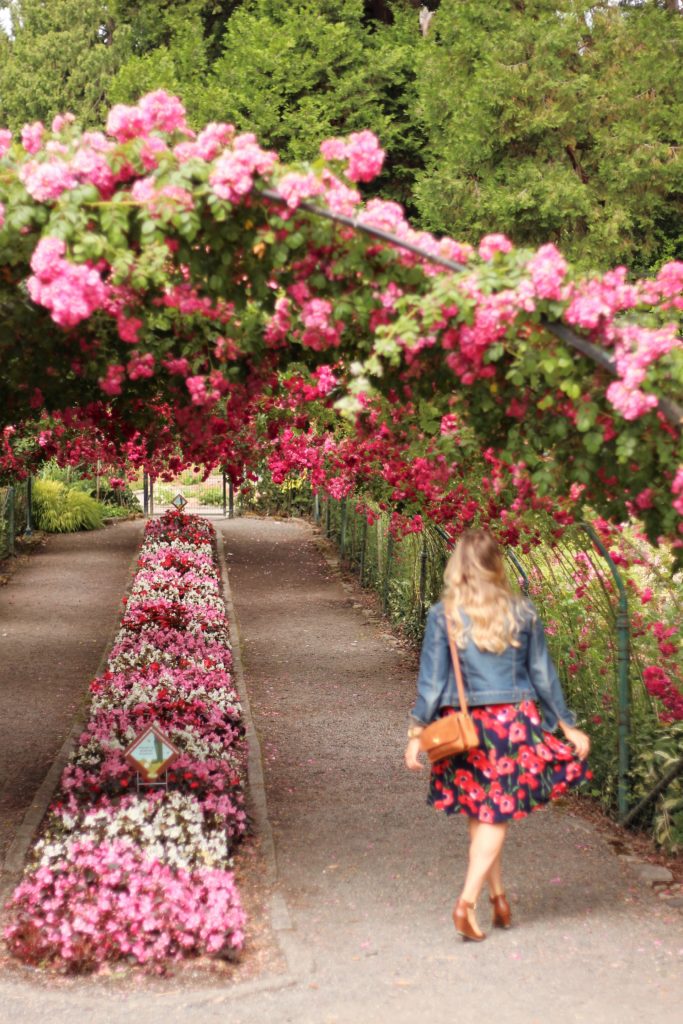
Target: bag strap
456, 665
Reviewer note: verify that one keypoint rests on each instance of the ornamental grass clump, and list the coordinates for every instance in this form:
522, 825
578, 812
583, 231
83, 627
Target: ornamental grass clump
134, 873
62, 509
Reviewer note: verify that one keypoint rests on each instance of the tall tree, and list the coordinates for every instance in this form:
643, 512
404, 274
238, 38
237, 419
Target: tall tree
556, 120
60, 56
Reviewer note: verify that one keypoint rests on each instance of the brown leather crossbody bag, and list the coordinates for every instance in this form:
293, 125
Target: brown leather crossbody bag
455, 733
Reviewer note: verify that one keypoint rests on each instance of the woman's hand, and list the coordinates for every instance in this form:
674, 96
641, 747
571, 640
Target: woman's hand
578, 739
411, 755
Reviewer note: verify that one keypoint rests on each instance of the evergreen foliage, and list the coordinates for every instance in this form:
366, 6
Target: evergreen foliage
556, 120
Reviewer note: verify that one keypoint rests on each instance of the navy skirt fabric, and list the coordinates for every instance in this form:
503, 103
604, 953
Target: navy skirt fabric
516, 769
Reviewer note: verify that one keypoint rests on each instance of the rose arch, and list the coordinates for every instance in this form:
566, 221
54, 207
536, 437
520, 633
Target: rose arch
171, 298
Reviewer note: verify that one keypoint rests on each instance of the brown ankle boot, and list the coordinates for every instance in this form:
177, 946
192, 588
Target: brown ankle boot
461, 921
502, 915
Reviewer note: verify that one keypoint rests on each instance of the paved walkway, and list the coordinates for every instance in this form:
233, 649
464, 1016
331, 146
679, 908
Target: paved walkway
58, 615
366, 873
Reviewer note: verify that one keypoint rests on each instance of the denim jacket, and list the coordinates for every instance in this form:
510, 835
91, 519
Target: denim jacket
519, 673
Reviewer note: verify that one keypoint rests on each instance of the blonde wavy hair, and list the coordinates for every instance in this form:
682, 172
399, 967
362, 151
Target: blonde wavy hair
476, 583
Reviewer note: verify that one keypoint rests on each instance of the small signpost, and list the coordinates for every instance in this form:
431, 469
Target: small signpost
179, 502
151, 754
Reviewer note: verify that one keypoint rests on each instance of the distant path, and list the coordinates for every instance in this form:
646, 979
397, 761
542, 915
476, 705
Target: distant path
57, 617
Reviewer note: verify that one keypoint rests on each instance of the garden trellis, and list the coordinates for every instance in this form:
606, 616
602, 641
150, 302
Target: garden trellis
172, 311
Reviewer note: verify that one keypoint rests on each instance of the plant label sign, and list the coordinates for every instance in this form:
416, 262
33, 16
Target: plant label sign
151, 753
179, 502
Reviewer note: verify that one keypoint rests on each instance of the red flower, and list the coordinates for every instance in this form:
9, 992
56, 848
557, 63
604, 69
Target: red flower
505, 766
486, 815
518, 732
507, 804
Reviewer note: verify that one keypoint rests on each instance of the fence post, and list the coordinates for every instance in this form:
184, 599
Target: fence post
342, 529
520, 569
363, 544
423, 578
231, 501
225, 495
387, 576
11, 526
623, 659
29, 507
151, 495
316, 507
328, 517
145, 494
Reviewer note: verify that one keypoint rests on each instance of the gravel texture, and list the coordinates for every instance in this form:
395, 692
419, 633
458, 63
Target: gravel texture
366, 873
58, 614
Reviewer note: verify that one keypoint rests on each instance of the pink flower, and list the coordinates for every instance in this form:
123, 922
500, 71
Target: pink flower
207, 145
365, 156
548, 269
125, 123
295, 187
677, 489
47, 181
162, 112
333, 149
71, 291
111, 383
5, 141
60, 121
233, 174
140, 366
491, 244
32, 136
200, 393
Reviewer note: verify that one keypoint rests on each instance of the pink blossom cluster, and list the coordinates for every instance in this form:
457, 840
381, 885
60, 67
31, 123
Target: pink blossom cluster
232, 177
637, 348
107, 903
144, 875
157, 111
71, 291
362, 152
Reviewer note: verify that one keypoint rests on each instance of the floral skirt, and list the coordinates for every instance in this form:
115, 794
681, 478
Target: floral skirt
517, 767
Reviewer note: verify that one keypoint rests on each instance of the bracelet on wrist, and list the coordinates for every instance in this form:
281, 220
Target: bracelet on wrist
414, 731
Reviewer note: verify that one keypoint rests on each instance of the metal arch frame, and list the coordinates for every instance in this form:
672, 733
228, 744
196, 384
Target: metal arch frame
671, 409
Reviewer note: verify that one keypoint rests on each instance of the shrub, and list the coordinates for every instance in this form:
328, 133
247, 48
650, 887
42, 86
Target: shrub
59, 509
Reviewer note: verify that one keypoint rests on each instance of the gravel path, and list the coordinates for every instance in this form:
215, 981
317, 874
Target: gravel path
57, 618
367, 873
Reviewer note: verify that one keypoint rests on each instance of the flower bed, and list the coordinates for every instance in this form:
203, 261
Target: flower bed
125, 872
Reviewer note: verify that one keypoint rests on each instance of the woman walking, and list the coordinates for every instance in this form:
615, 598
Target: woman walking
517, 702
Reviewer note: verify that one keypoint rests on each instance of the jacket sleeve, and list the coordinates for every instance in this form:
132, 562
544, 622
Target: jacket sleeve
545, 680
435, 660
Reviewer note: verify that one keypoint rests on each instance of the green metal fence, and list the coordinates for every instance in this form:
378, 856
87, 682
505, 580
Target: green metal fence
581, 597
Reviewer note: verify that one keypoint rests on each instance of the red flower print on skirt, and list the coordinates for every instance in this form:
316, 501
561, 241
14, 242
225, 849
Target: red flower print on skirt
517, 767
